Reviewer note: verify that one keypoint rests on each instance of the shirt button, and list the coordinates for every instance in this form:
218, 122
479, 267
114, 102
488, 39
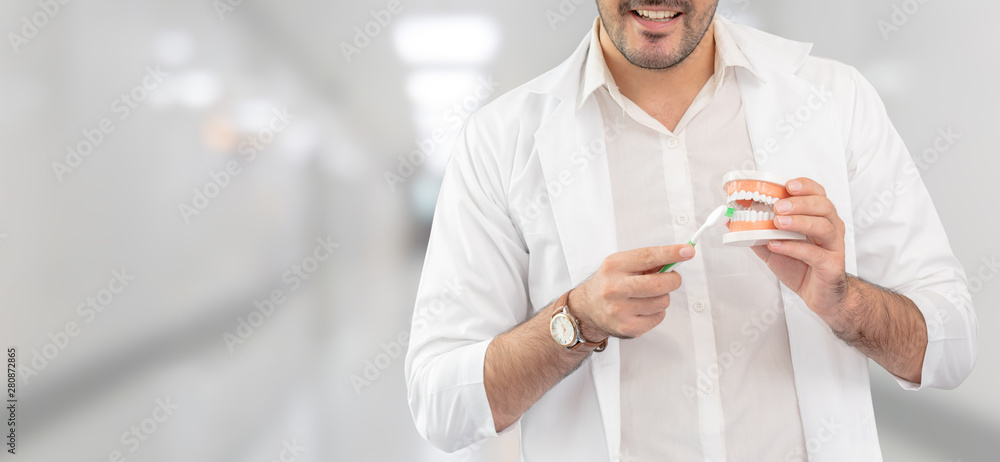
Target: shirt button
698, 306
682, 219
672, 142
706, 389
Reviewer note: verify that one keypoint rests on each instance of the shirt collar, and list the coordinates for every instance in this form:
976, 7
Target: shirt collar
596, 73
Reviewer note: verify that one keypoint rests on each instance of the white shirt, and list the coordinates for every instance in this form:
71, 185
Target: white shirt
680, 400
526, 212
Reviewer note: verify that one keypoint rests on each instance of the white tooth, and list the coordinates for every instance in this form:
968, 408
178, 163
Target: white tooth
770, 216
754, 216
756, 196
743, 194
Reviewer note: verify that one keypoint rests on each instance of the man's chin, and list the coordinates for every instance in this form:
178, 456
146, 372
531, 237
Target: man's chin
661, 44
654, 57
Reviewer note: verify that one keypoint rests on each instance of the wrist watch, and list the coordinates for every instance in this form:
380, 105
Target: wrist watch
565, 329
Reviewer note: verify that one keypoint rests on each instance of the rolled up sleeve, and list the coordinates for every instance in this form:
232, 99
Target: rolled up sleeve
901, 243
472, 288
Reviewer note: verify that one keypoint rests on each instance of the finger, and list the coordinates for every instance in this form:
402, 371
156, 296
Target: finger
649, 306
762, 252
638, 260
808, 253
819, 229
636, 326
803, 186
813, 205
817, 206
652, 284
775, 260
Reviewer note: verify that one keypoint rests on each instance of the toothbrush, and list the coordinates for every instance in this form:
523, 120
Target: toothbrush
719, 215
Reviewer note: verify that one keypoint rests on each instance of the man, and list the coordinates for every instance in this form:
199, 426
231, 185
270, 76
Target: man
567, 189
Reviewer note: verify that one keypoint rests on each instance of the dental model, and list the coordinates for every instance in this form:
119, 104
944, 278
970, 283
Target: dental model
751, 195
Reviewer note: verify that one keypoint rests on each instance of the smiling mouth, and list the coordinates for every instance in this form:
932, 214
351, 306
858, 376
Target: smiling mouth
656, 16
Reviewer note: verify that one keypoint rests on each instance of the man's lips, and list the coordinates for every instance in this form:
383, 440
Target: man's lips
656, 15
655, 19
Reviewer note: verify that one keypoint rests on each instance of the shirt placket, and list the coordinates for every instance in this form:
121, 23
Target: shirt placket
680, 193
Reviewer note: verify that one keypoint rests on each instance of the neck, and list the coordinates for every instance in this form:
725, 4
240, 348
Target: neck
663, 93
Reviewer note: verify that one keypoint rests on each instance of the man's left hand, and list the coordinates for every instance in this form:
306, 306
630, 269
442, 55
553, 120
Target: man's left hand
813, 269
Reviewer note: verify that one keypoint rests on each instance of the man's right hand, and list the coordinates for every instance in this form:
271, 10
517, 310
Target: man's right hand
625, 298
628, 296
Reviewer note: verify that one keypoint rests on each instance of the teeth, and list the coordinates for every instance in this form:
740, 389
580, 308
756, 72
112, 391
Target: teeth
754, 195
648, 14
752, 215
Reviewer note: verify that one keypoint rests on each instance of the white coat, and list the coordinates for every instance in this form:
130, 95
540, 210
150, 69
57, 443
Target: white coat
525, 213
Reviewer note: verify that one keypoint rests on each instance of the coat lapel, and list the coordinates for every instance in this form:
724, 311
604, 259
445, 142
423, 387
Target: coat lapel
837, 414
572, 143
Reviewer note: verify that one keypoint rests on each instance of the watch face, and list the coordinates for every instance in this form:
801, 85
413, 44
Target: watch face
562, 330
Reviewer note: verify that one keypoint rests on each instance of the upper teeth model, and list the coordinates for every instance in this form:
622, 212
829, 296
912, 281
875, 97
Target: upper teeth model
752, 194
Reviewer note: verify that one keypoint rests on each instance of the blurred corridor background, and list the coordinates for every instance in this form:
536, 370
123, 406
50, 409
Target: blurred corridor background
212, 222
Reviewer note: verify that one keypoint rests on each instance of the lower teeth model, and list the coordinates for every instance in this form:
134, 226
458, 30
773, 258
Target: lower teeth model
751, 195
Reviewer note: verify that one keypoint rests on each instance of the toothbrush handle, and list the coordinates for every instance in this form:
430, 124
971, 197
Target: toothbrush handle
668, 266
